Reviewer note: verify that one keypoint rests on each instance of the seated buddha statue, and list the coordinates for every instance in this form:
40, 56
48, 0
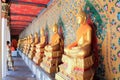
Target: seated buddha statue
32, 46
18, 44
40, 47
82, 46
30, 41
35, 39
42, 38
52, 53
78, 59
55, 40
25, 45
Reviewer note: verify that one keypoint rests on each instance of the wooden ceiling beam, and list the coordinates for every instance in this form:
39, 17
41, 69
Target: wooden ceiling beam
17, 28
20, 21
28, 3
17, 14
18, 25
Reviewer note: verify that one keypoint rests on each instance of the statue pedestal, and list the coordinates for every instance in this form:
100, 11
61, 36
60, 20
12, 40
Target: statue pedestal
38, 55
75, 68
51, 61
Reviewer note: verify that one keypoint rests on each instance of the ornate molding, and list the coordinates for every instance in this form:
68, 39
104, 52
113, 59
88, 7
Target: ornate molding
5, 9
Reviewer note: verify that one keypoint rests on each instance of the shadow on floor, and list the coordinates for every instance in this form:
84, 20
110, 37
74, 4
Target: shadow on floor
22, 71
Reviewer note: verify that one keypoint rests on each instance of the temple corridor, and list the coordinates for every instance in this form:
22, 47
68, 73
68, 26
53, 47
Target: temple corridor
60, 39
22, 72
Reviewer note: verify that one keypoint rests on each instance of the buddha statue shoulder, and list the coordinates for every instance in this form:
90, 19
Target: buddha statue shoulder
82, 46
55, 40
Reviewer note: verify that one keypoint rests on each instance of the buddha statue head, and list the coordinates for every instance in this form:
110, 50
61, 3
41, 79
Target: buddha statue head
55, 28
81, 17
36, 35
42, 32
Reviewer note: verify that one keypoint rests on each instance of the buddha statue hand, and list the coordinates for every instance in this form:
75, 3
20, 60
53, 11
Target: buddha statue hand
74, 44
48, 48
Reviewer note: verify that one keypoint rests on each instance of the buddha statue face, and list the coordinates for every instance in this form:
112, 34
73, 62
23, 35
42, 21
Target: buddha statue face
55, 28
41, 31
81, 17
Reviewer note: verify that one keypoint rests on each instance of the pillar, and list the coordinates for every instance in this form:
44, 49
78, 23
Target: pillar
4, 38
0, 46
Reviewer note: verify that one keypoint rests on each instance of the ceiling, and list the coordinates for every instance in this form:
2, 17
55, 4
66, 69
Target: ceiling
22, 13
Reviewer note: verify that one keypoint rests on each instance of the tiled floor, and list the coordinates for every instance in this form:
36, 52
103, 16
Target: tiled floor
22, 72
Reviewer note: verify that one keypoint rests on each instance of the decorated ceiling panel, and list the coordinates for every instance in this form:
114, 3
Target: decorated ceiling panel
23, 12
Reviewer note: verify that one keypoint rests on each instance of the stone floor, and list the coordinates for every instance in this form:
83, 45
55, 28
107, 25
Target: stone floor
22, 72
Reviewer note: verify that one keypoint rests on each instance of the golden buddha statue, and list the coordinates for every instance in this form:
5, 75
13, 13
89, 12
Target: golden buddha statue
55, 40
83, 38
29, 42
35, 39
30, 39
53, 53
77, 60
32, 46
25, 45
22, 44
40, 47
18, 44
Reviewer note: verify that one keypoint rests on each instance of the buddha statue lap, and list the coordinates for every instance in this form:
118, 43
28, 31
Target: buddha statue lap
40, 48
53, 53
78, 59
33, 46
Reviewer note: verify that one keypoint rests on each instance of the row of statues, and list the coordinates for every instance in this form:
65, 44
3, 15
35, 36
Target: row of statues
71, 63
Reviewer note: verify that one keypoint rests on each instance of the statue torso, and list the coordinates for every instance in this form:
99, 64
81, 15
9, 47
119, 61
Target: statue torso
55, 37
82, 33
42, 39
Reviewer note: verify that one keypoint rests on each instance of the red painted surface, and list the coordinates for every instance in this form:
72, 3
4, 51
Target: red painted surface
36, 1
24, 12
13, 22
21, 18
25, 9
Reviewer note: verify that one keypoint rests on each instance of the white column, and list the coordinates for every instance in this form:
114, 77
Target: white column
1, 45
4, 50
